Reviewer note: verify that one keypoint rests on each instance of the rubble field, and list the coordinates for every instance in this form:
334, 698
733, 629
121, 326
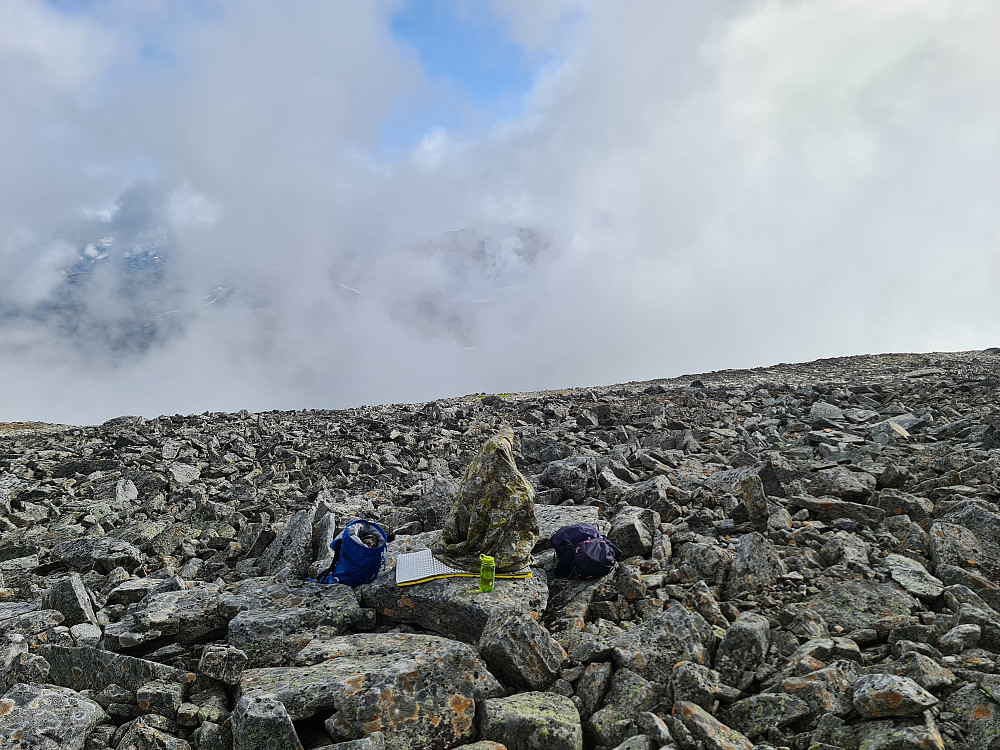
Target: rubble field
812, 562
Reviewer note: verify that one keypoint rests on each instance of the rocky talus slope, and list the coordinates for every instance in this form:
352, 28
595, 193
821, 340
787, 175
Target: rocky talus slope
813, 562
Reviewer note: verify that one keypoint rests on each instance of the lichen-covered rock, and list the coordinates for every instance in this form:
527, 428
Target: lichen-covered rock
913, 577
755, 715
825, 691
890, 735
592, 686
699, 684
885, 695
212, 736
293, 548
494, 513
855, 605
923, 670
223, 662
628, 695
42, 717
843, 483
755, 567
656, 494
653, 647
187, 616
974, 515
894, 502
520, 651
713, 733
960, 638
421, 690
103, 554
69, 597
260, 722
977, 712
742, 649
335, 604
576, 476
632, 531
160, 697
755, 501
142, 737
532, 721
93, 669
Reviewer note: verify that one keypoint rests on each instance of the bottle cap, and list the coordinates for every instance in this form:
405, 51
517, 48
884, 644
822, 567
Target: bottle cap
487, 560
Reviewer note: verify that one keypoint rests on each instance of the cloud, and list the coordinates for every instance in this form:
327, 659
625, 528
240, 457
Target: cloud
690, 186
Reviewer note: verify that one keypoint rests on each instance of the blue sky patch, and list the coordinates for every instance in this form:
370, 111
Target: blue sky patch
477, 75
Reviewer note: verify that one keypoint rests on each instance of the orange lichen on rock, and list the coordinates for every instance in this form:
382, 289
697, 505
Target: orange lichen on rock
463, 715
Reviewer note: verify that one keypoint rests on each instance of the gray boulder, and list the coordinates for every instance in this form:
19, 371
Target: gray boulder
742, 650
420, 690
69, 596
272, 621
628, 695
260, 722
187, 616
632, 531
713, 734
520, 651
92, 669
576, 476
103, 554
888, 695
531, 721
653, 647
293, 548
42, 717
755, 567
855, 605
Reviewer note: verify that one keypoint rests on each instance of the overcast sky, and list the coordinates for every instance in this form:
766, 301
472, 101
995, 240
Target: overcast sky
352, 202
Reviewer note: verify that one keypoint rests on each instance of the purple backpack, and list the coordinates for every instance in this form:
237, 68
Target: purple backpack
583, 552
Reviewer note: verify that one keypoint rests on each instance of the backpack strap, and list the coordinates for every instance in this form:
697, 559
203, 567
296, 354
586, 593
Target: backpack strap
326, 576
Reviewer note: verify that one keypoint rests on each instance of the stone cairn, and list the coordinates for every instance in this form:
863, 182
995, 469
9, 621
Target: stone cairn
813, 562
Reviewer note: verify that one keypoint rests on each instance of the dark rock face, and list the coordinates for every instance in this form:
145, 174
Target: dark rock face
812, 561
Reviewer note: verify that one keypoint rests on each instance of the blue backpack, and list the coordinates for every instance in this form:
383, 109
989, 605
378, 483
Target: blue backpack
354, 561
584, 552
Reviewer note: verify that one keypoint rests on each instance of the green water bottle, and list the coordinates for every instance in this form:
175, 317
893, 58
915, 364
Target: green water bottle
487, 569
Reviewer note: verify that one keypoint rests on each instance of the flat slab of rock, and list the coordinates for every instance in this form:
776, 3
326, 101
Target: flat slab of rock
189, 616
831, 509
855, 605
453, 607
43, 717
271, 621
103, 554
421, 690
92, 669
913, 577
